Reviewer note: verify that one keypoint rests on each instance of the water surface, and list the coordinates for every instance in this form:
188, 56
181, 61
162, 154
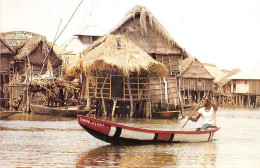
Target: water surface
48, 141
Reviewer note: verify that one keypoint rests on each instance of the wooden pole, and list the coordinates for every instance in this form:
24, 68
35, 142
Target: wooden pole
166, 93
102, 97
114, 107
131, 98
180, 97
60, 34
195, 109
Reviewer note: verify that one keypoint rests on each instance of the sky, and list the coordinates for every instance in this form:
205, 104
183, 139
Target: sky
223, 32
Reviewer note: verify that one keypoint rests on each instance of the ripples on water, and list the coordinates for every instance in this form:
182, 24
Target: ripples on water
46, 141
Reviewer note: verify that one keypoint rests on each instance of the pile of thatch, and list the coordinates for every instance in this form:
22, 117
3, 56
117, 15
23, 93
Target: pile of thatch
49, 83
36, 49
119, 55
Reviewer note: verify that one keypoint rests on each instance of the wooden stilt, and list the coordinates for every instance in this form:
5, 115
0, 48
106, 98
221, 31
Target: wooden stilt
131, 98
114, 107
102, 97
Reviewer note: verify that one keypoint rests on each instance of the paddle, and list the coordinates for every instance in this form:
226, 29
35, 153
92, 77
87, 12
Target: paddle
195, 109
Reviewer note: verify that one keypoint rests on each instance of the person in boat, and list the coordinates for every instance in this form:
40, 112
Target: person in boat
208, 113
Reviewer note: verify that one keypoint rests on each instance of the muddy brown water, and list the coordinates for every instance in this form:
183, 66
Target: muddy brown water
47, 141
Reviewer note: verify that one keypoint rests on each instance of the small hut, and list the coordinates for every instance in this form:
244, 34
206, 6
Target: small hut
246, 85
195, 80
118, 72
144, 30
36, 51
31, 58
6, 68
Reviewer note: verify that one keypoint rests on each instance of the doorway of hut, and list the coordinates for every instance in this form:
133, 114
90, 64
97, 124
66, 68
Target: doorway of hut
117, 86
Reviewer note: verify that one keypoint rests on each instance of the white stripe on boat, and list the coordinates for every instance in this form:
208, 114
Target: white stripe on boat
112, 131
136, 135
190, 137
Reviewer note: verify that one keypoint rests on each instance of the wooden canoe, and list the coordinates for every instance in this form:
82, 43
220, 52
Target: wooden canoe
59, 111
120, 134
166, 114
6, 114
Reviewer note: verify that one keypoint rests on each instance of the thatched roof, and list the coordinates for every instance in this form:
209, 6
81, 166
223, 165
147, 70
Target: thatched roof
248, 74
226, 79
18, 38
216, 72
5, 48
118, 54
192, 68
37, 48
142, 28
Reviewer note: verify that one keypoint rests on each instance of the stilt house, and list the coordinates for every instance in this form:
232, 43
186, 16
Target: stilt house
33, 52
246, 86
116, 76
144, 30
195, 80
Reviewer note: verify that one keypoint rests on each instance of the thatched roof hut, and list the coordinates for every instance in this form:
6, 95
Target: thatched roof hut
37, 48
192, 68
118, 54
216, 72
141, 27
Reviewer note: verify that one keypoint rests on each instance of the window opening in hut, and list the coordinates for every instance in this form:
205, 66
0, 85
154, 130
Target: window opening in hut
85, 39
117, 86
94, 38
153, 55
119, 44
245, 81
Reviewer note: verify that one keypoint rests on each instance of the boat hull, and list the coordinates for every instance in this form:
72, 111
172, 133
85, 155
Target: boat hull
43, 110
166, 114
6, 114
120, 134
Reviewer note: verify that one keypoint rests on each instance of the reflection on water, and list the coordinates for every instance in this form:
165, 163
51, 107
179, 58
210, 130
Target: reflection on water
160, 155
48, 141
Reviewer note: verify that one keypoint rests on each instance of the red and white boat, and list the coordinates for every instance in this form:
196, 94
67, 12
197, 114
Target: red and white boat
120, 134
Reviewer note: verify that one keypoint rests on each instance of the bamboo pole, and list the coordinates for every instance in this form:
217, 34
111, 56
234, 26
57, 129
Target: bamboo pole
131, 98
195, 109
60, 34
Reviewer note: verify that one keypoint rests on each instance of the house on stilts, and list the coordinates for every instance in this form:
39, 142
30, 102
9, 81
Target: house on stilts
245, 88
116, 77
32, 54
194, 81
144, 30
